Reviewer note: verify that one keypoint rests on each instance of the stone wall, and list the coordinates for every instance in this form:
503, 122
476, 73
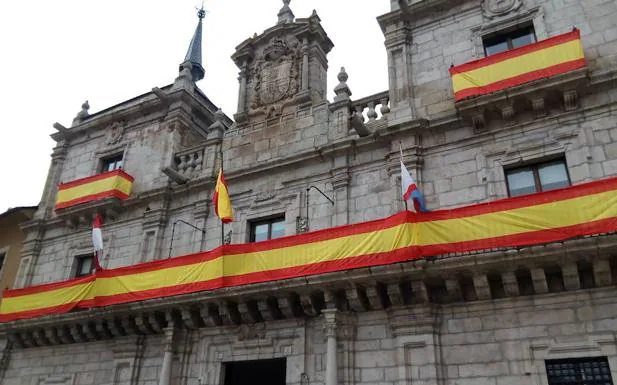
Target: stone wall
484, 342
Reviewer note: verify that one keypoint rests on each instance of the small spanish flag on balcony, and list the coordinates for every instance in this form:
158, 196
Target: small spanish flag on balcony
113, 184
221, 200
550, 57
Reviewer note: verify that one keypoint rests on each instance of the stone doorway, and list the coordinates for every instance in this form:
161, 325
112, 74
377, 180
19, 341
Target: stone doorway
271, 372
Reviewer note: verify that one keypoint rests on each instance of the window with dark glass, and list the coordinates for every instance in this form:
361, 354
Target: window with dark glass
509, 40
2, 257
579, 371
85, 265
112, 163
267, 229
537, 177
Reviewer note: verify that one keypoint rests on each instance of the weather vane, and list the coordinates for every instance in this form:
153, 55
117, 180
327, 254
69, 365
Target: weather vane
201, 12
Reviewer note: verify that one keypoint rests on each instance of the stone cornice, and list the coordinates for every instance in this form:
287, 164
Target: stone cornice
445, 266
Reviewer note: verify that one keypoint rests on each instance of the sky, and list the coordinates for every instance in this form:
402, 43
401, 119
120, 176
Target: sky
57, 54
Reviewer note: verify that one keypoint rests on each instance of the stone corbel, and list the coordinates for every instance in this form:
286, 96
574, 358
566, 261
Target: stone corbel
570, 100
539, 107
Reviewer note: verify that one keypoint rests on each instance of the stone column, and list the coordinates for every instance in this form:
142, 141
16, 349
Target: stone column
305, 65
165, 378
331, 361
242, 91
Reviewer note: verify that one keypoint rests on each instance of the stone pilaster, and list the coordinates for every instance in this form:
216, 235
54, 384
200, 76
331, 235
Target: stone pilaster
128, 353
5, 356
340, 185
415, 331
330, 318
165, 377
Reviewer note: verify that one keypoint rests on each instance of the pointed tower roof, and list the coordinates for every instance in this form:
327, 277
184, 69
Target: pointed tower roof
193, 54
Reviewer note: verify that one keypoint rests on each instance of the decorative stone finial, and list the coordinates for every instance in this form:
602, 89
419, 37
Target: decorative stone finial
83, 114
342, 91
285, 15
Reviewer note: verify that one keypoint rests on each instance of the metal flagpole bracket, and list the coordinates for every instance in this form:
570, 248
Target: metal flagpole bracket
307, 202
173, 230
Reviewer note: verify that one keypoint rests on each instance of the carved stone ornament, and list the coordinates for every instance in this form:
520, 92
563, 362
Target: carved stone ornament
276, 77
251, 332
496, 8
302, 225
115, 132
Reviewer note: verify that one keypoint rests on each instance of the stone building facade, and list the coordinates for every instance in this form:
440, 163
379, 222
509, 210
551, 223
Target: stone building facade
495, 317
11, 239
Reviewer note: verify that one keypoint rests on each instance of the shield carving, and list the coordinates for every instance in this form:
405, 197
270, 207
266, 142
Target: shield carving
275, 81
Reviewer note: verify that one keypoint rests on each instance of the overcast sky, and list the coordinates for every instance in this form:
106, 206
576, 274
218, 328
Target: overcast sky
56, 54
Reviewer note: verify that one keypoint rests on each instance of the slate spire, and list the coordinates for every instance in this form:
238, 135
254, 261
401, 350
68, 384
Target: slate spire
193, 54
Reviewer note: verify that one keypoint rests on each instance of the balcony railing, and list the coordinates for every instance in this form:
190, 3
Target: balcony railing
115, 184
544, 59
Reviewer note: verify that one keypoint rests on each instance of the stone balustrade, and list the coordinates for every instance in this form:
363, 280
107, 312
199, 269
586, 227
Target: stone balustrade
372, 107
190, 161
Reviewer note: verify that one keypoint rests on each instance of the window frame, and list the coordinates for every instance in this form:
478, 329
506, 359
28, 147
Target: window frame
79, 263
507, 33
577, 361
534, 166
107, 160
4, 253
262, 221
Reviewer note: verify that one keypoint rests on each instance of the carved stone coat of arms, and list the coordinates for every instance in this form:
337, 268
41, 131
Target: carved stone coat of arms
275, 77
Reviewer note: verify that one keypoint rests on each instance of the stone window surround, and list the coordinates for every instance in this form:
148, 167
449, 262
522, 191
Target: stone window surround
534, 15
535, 164
4, 251
84, 248
498, 161
108, 152
265, 206
541, 349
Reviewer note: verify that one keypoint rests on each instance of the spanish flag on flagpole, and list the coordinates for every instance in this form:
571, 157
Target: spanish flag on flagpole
222, 203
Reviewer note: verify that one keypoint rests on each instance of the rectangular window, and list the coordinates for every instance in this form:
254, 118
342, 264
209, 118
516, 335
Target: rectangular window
537, 177
579, 371
263, 230
85, 265
509, 40
112, 163
2, 257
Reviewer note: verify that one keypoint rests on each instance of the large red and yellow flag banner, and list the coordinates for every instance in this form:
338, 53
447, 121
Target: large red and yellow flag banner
112, 184
550, 57
585, 209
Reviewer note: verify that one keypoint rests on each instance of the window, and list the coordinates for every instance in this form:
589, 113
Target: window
267, 229
112, 163
85, 265
509, 40
2, 258
537, 177
579, 371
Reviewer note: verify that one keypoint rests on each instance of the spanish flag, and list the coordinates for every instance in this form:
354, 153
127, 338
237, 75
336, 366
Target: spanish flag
222, 203
550, 57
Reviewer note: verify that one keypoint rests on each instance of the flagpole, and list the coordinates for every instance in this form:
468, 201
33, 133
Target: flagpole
400, 144
222, 223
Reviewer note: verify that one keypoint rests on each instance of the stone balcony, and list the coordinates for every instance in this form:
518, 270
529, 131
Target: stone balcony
523, 83
584, 265
77, 201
